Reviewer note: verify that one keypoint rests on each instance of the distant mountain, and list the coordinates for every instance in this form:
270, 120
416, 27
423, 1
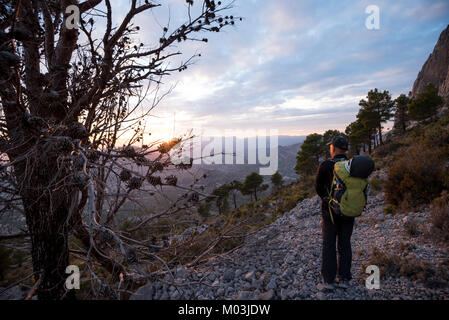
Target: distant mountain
211, 176
290, 140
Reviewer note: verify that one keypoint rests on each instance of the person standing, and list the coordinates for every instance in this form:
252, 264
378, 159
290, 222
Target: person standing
336, 230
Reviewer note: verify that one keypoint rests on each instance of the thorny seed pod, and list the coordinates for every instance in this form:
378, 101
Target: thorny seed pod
64, 144
154, 180
141, 160
185, 166
92, 155
80, 180
131, 255
129, 151
157, 166
195, 197
135, 183
77, 130
171, 180
125, 175
78, 162
106, 235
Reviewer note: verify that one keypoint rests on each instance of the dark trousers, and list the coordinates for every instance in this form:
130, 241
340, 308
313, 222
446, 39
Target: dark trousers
335, 233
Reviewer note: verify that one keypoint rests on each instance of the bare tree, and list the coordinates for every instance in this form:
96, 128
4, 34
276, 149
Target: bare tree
69, 127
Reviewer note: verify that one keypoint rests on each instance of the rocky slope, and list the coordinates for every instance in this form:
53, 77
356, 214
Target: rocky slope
436, 68
282, 261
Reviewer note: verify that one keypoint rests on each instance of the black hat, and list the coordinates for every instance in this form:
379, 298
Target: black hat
339, 142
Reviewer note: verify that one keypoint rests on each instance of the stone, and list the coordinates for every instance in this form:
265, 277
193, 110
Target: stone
14, 293
244, 295
220, 292
285, 294
143, 293
268, 295
272, 284
250, 275
228, 275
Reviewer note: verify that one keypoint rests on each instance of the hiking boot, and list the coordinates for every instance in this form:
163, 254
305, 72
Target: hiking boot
343, 284
325, 287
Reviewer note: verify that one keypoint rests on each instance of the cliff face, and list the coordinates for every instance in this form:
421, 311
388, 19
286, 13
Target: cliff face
436, 68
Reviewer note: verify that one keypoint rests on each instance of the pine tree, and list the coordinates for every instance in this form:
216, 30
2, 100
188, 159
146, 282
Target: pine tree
328, 136
277, 181
235, 186
354, 132
253, 185
221, 195
425, 105
309, 155
379, 109
401, 118
368, 121
203, 210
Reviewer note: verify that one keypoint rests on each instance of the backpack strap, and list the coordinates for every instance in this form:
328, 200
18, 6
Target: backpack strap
334, 160
331, 199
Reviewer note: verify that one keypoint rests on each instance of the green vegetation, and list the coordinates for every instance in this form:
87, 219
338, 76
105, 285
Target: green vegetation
277, 182
5, 260
417, 171
313, 149
401, 116
376, 184
440, 218
376, 110
366, 131
412, 229
390, 209
220, 195
252, 185
392, 265
425, 105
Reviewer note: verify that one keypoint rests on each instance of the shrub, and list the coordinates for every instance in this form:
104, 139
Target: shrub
376, 184
5, 260
444, 120
390, 209
425, 105
415, 178
392, 265
204, 210
440, 218
411, 228
387, 149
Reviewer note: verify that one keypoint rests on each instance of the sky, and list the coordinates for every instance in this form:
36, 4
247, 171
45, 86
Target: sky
296, 66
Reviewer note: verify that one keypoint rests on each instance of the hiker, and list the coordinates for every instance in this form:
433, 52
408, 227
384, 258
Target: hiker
343, 187
342, 227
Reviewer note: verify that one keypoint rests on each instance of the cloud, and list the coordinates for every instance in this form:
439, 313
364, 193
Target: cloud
299, 66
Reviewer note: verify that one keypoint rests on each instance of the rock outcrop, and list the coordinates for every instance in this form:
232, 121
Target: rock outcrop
436, 69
